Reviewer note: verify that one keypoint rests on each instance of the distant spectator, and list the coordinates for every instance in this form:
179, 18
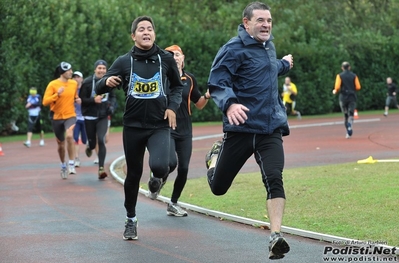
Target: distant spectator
391, 96
289, 95
33, 104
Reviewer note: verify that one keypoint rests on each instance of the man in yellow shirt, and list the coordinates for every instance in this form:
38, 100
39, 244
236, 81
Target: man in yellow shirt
289, 96
61, 94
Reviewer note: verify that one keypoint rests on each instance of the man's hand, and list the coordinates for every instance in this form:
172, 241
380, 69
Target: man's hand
60, 91
290, 59
98, 98
78, 100
113, 81
334, 91
236, 114
171, 116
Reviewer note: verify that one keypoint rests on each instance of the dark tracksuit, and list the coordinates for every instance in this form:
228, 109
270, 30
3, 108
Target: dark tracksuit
151, 82
391, 99
347, 83
245, 72
182, 137
96, 116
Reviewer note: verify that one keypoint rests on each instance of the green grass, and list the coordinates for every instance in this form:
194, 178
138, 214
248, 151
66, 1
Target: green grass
358, 201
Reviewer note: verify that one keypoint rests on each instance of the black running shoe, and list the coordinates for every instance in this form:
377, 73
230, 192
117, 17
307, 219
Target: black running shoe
278, 246
130, 230
88, 151
349, 129
154, 186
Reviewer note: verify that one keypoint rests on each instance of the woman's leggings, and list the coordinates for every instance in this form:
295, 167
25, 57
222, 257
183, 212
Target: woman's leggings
135, 141
182, 147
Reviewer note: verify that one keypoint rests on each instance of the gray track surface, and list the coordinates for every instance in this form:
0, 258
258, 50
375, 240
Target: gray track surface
46, 219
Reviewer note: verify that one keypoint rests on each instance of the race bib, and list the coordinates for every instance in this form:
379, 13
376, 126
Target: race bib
142, 88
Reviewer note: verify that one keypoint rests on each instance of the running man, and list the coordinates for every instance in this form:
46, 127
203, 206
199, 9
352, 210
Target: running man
95, 109
61, 94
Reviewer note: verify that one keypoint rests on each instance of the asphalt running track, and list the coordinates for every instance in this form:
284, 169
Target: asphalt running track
46, 219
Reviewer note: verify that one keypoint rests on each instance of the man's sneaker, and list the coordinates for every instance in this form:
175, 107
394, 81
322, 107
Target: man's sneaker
72, 169
96, 161
347, 136
130, 230
278, 246
27, 144
41, 143
175, 210
214, 150
88, 151
385, 114
154, 186
101, 173
64, 172
77, 162
349, 129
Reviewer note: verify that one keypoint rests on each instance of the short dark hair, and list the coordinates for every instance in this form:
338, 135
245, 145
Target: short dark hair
346, 65
139, 19
249, 9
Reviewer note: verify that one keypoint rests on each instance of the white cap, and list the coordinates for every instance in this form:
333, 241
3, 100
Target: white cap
77, 73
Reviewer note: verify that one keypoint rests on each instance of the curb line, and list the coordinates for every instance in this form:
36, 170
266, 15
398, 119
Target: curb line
251, 222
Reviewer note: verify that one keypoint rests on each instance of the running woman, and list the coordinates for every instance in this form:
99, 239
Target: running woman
151, 82
181, 143
79, 132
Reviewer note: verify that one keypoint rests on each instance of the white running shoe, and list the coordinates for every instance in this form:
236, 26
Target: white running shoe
72, 169
77, 162
41, 143
64, 173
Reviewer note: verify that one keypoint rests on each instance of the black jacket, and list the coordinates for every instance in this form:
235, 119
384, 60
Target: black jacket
151, 93
89, 107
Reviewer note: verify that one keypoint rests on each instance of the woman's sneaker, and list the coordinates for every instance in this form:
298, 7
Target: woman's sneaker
154, 186
130, 230
175, 210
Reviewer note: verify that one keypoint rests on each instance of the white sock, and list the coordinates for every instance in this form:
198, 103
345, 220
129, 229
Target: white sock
71, 162
134, 219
